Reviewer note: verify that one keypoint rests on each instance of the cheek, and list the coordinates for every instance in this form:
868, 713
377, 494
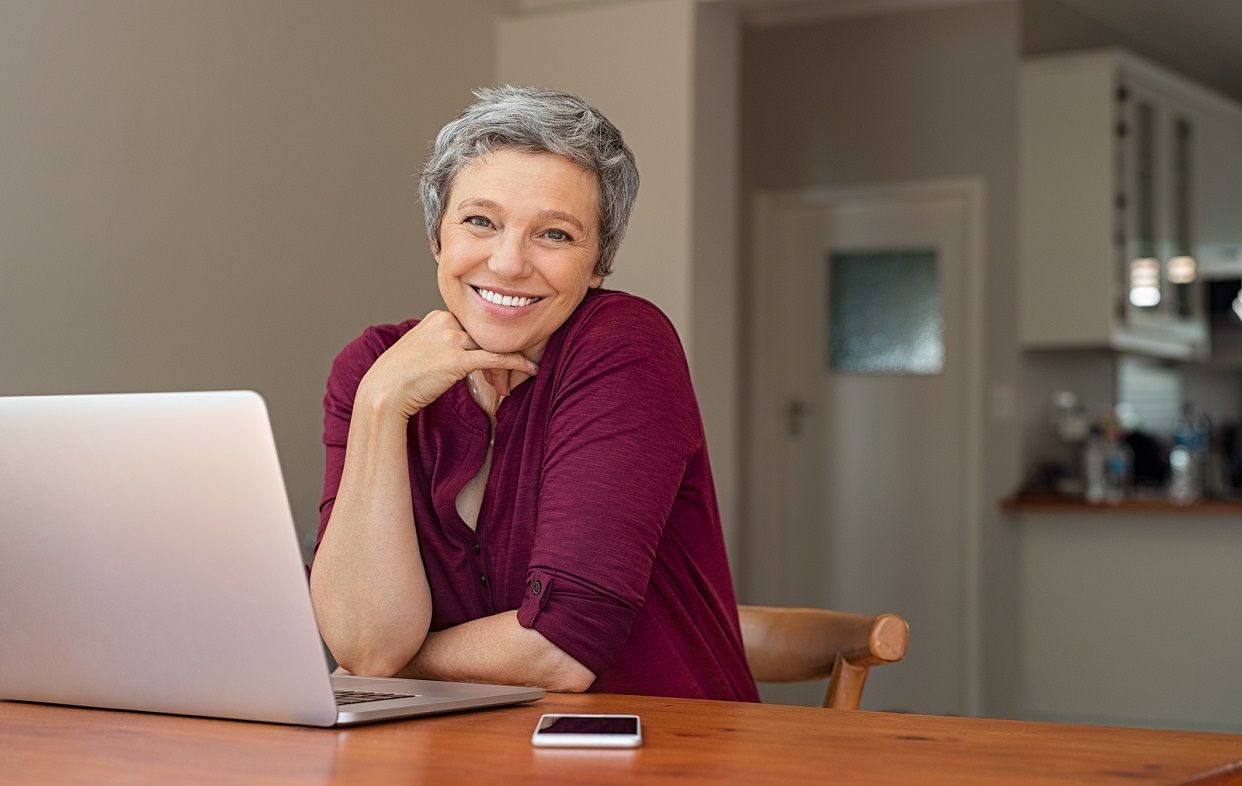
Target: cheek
449, 291
463, 252
451, 261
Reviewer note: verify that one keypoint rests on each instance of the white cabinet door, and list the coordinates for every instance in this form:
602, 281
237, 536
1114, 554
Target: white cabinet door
1218, 170
1158, 193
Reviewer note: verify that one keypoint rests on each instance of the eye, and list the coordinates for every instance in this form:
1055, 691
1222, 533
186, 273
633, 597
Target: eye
559, 235
478, 221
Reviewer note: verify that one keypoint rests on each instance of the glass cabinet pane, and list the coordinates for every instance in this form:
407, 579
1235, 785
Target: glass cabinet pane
1145, 282
1181, 265
1145, 170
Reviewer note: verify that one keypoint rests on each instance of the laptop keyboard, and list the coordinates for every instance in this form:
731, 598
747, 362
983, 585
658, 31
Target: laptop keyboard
356, 696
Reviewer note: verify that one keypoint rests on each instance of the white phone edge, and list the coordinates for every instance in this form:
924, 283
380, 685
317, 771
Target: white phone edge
587, 740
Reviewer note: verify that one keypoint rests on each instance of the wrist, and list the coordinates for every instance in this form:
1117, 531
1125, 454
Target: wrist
377, 401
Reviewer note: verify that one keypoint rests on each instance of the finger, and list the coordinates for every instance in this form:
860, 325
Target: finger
438, 318
512, 361
470, 343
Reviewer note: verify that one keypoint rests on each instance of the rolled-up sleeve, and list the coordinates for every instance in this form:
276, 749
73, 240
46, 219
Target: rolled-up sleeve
624, 424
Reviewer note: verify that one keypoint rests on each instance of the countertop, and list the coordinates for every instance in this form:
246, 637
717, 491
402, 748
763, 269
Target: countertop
1047, 502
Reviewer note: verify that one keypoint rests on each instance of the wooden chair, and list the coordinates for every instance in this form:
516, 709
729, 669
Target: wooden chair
801, 645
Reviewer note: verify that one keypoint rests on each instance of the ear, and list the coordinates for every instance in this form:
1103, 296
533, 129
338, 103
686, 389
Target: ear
435, 250
596, 280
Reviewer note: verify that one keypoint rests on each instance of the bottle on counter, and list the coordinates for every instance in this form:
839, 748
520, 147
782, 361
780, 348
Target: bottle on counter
1188, 458
1093, 465
1118, 462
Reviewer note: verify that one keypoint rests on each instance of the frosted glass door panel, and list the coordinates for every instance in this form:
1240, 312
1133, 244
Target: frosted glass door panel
884, 312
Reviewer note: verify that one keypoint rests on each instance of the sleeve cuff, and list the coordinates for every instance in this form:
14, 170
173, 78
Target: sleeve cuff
538, 590
584, 625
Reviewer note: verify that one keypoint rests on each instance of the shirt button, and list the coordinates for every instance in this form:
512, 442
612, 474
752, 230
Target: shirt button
536, 587
477, 548
483, 578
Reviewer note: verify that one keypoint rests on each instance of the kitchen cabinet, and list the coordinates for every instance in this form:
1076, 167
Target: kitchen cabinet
1110, 599
1130, 193
1219, 213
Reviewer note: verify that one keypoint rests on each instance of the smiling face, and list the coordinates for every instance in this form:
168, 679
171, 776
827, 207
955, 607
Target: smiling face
518, 245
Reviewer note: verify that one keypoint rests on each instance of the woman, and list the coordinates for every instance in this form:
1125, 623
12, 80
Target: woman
517, 487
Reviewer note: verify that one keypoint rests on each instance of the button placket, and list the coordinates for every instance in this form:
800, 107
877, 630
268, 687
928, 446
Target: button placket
480, 567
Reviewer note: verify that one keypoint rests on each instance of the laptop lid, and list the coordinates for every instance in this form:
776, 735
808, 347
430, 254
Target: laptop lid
148, 560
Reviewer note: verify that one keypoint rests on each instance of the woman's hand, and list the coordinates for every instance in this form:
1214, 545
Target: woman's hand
428, 360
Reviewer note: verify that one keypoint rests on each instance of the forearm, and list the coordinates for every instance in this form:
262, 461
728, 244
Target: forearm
497, 649
368, 584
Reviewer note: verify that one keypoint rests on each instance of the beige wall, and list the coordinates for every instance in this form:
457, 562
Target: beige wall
715, 260
219, 194
665, 71
901, 97
655, 119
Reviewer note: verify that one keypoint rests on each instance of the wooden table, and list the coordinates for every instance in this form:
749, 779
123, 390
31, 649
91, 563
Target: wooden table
687, 742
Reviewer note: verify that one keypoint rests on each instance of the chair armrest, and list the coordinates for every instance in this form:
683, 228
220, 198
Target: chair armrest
796, 645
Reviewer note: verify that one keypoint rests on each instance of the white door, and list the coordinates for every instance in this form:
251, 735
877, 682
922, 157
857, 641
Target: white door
859, 455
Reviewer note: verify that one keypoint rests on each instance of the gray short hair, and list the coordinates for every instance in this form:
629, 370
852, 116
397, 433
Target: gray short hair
537, 121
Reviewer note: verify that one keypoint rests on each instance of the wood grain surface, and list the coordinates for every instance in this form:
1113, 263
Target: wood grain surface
686, 742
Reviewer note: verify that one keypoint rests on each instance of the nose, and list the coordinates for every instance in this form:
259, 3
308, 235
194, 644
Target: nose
509, 257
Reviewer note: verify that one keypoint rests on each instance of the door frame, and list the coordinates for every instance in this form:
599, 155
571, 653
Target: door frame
764, 204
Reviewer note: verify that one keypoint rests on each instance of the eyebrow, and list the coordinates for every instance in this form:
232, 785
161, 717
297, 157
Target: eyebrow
487, 204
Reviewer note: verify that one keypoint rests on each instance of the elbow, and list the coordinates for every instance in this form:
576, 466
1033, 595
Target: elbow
371, 653
375, 664
576, 684
363, 646
554, 669
572, 677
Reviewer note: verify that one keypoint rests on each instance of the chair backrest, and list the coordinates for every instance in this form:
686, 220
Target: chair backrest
801, 645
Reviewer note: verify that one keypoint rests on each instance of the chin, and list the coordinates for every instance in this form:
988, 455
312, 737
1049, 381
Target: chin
498, 343
501, 348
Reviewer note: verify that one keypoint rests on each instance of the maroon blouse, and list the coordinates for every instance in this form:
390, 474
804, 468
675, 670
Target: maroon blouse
599, 521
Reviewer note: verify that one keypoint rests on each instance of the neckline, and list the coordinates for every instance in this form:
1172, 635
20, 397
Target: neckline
474, 386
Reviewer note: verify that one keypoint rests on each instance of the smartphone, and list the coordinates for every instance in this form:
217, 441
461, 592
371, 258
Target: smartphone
588, 731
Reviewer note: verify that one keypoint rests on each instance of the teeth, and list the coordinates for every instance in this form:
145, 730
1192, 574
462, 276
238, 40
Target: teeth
504, 300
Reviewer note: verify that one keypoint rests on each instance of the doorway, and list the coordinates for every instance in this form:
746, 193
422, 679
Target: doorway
864, 399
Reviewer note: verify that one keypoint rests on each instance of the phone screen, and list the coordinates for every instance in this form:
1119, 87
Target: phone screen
579, 724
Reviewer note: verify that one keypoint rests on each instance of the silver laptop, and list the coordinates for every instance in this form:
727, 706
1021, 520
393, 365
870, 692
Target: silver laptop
148, 561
